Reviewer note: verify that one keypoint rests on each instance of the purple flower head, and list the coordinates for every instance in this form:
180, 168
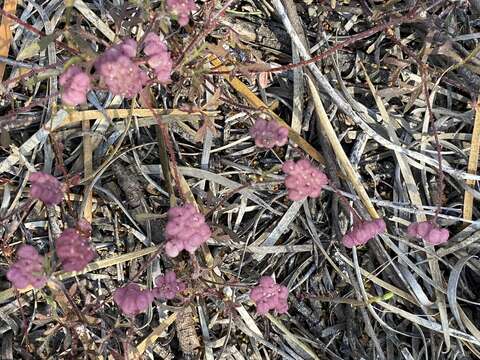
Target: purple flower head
118, 71
132, 300
181, 9
303, 179
159, 58
361, 233
28, 269
84, 227
268, 295
73, 250
186, 230
268, 134
153, 44
75, 85
167, 286
162, 65
128, 47
46, 188
429, 232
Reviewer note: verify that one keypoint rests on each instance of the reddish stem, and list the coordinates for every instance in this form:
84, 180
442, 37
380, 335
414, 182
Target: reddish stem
431, 118
36, 31
211, 23
410, 17
356, 218
171, 154
29, 73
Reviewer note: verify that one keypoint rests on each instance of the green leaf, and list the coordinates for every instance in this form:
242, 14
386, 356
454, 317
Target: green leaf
46, 40
36, 46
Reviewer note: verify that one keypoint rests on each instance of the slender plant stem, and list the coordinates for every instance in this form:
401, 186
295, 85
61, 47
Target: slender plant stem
211, 23
36, 31
410, 17
424, 76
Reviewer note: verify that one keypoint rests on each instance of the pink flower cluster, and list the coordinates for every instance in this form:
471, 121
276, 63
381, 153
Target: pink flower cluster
429, 232
168, 286
270, 296
158, 57
73, 248
268, 134
28, 269
84, 228
46, 188
132, 300
181, 9
303, 179
75, 85
186, 230
119, 72
361, 233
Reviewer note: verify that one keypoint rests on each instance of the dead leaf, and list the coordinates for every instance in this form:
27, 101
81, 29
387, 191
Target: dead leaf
186, 333
264, 79
217, 50
208, 124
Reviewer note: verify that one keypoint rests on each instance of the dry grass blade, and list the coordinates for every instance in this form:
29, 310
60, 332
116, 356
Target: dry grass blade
88, 169
452, 290
154, 335
39, 137
9, 6
472, 163
404, 167
94, 19
281, 226
255, 101
429, 324
345, 164
290, 337
382, 94
97, 265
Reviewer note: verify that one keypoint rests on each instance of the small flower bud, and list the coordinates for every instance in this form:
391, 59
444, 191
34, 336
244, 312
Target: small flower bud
303, 179
270, 296
46, 188
181, 9
132, 300
118, 72
167, 286
429, 232
268, 134
186, 230
360, 234
159, 58
28, 269
74, 250
75, 84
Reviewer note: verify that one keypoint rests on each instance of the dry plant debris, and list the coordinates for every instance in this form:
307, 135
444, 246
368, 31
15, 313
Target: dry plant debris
144, 212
